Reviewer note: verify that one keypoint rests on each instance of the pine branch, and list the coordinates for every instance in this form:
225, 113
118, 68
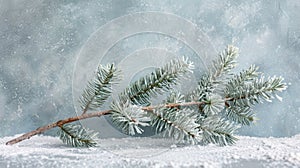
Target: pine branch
129, 117
216, 130
179, 124
198, 117
205, 87
242, 96
209, 84
56, 124
213, 105
158, 82
255, 92
243, 77
99, 89
240, 115
85, 116
225, 62
77, 136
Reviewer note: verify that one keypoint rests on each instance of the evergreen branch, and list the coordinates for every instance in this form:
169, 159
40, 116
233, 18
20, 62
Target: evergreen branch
225, 62
208, 84
258, 90
240, 115
59, 123
174, 119
77, 136
216, 130
179, 124
129, 117
205, 87
175, 98
213, 105
247, 75
242, 96
99, 89
85, 116
159, 81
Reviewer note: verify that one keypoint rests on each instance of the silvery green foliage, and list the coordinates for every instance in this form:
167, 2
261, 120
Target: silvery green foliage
214, 104
99, 89
129, 117
179, 124
216, 130
243, 77
243, 97
211, 85
158, 82
205, 87
220, 101
210, 114
226, 61
77, 136
235, 95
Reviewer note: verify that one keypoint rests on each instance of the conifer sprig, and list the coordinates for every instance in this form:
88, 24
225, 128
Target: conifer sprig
240, 114
77, 136
158, 82
226, 61
216, 130
210, 114
243, 77
257, 91
180, 124
128, 118
98, 90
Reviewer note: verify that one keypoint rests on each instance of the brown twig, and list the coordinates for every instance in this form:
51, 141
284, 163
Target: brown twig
89, 115
150, 108
56, 124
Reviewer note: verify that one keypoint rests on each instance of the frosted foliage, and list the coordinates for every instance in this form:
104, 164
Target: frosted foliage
40, 41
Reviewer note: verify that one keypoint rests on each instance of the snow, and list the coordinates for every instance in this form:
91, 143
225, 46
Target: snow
46, 151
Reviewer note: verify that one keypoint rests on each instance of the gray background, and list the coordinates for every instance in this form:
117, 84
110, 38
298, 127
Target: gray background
40, 40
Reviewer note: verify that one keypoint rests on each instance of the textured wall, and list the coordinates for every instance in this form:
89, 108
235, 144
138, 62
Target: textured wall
43, 42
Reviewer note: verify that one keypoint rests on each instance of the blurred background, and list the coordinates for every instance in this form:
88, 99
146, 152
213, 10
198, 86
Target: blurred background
42, 43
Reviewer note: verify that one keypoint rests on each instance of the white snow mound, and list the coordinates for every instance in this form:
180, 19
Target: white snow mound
46, 151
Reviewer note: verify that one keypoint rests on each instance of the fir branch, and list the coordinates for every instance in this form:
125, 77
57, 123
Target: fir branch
243, 77
129, 118
85, 116
205, 87
260, 89
99, 89
179, 124
225, 62
77, 136
56, 124
175, 97
196, 118
209, 83
241, 115
159, 81
213, 105
216, 130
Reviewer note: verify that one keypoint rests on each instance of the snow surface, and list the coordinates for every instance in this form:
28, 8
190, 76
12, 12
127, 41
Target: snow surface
46, 151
